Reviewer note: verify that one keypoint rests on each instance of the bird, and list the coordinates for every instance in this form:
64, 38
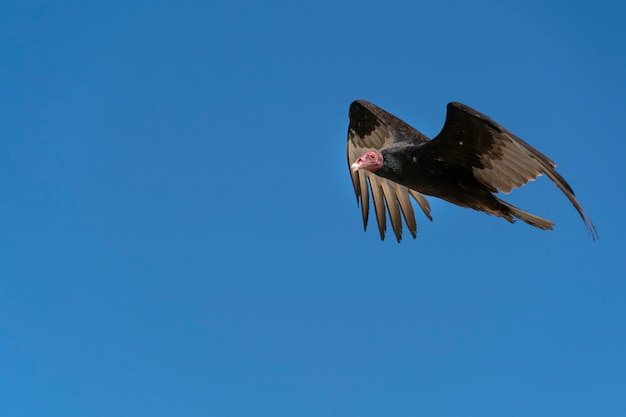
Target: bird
471, 160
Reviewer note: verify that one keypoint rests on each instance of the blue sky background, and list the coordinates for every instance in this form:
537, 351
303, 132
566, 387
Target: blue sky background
179, 235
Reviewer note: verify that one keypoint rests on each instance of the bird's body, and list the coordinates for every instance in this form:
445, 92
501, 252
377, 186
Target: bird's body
466, 164
407, 166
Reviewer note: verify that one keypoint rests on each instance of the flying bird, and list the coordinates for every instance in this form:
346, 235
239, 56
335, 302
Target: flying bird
467, 163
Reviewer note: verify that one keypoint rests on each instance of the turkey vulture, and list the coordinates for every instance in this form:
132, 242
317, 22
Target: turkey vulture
470, 160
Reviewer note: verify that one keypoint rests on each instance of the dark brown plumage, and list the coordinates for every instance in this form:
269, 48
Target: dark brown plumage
470, 160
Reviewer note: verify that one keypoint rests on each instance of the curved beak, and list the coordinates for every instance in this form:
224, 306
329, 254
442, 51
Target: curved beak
355, 167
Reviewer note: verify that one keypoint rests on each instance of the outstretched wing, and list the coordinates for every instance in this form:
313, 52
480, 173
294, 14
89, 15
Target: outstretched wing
498, 158
373, 129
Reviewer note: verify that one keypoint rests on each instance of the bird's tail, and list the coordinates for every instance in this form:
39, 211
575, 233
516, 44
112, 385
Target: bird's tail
531, 219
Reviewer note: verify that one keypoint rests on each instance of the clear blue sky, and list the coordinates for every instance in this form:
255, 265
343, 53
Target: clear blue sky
179, 235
